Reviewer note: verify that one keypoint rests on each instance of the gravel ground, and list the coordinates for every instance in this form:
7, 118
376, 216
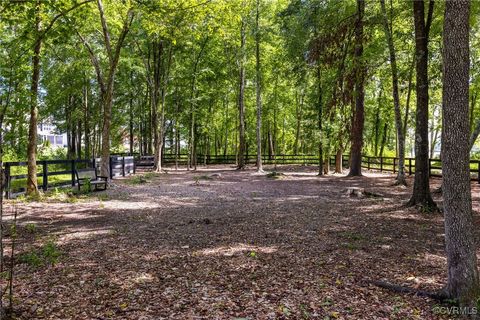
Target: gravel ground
224, 244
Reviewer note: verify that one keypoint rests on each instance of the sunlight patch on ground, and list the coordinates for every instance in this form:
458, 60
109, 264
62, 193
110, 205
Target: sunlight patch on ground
83, 234
434, 259
232, 250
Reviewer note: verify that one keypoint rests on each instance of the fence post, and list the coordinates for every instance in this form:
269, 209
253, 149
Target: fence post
394, 162
110, 165
410, 166
7, 180
72, 165
478, 171
429, 167
44, 175
123, 166
381, 164
368, 163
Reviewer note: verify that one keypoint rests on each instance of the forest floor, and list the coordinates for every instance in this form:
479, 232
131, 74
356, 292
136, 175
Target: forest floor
226, 244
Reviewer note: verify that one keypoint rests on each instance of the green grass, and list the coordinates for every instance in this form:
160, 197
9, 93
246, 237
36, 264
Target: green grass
141, 179
18, 184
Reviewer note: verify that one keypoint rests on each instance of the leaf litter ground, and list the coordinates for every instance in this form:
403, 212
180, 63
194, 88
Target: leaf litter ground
224, 244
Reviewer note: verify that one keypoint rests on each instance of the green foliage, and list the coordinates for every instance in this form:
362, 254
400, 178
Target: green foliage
86, 187
31, 228
47, 254
274, 175
141, 179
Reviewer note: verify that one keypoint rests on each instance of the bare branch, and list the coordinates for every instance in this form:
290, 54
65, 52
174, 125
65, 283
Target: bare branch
95, 62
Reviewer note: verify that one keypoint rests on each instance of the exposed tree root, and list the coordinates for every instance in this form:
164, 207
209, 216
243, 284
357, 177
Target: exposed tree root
400, 182
439, 296
423, 207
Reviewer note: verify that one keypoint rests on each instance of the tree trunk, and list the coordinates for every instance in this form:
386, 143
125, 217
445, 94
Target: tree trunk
107, 87
155, 87
463, 282
32, 129
130, 126
241, 98
359, 119
258, 90
339, 160
409, 94
396, 99
384, 138
377, 123
320, 115
421, 189
86, 117
79, 139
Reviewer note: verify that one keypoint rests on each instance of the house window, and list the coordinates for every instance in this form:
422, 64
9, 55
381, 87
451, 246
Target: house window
51, 139
59, 140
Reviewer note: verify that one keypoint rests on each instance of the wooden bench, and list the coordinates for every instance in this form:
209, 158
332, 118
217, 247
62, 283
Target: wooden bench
91, 174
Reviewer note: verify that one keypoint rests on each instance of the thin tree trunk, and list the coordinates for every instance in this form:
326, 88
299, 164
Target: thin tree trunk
320, 115
86, 121
258, 90
241, 97
130, 126
384, 138
32, 129
359, 119
409, 94
463, 280
396, 99
79, 139
339, 160
421, 188
377, 122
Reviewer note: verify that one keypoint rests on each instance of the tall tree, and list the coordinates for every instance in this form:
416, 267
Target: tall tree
241, 95
106, 78
463, 282
359, 117
32, 129
40, 34
421, 188
258, 90
396, 99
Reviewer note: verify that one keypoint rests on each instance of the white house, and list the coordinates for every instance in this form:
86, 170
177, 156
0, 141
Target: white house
49, 132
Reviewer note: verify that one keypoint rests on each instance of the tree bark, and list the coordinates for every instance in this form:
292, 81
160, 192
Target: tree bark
130, 126
258, 90
421, 189
32, 129
86, 117
155, 87
320, 116
241, 97
396, 99
463, 281
384, 139
359, 119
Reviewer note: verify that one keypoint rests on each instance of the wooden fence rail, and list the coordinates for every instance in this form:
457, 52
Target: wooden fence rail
119, 166
122, 165
382, 164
